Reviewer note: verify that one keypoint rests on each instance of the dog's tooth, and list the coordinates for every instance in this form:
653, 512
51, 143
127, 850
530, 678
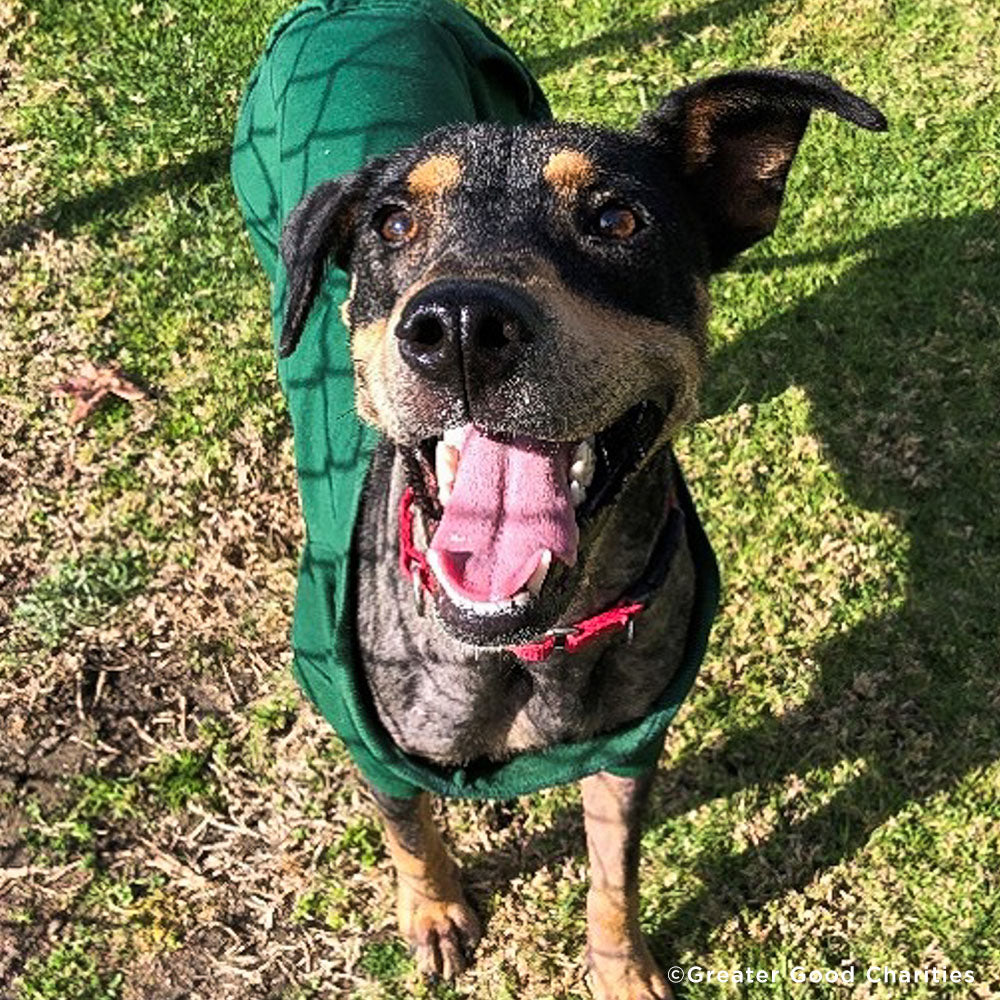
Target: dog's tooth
577, 492
455, 436
535, 581
445, 468
584, 463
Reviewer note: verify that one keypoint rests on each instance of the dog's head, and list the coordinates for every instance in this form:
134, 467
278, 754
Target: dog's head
527, 313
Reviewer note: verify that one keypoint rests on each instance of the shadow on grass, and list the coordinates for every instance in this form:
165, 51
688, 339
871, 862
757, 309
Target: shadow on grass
901, 362
118, 196
666, 29
211, 164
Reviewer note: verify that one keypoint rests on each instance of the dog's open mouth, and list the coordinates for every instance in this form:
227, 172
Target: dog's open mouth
504, 516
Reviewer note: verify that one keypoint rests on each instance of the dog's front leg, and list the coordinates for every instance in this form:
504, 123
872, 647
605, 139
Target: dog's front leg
621, 967
434, 915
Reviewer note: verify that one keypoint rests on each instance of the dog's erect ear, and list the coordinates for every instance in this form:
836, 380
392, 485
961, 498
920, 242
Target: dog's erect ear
733, 138
320, 228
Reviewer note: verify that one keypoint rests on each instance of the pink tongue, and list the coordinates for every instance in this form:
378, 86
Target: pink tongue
509, 502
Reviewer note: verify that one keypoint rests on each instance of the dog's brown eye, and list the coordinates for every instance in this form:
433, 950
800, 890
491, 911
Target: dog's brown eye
397, 226
616, 222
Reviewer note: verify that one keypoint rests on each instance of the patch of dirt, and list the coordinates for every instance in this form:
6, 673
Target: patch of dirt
201, 640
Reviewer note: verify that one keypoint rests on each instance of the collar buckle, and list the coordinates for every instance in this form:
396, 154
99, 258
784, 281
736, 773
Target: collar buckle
560, 633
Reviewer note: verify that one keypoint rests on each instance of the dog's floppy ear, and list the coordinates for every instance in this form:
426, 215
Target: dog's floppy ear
319, 228
733, 138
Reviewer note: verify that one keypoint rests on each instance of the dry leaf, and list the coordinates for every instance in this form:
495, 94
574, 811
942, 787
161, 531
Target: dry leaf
91, 384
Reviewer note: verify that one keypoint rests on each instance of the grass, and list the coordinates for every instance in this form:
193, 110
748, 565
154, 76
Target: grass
69, 972
174, 818
78, 593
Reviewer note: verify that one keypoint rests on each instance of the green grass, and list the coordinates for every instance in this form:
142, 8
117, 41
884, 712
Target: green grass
829, 795
385, 961
70, 971
181, 778
169, 784
78, 593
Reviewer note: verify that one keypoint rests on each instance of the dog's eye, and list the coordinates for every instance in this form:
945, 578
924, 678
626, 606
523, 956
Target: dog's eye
615, 222
397, 225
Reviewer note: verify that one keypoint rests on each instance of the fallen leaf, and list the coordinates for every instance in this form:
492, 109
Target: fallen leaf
90, 384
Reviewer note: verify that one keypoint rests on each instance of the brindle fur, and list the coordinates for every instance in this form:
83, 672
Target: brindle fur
607, 325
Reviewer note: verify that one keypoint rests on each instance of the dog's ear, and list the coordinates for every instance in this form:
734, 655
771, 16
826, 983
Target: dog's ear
319, 228
733, 137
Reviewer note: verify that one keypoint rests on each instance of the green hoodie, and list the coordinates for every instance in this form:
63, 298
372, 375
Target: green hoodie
341, 81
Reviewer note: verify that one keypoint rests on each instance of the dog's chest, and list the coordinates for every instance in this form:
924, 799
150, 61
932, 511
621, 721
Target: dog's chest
441, 701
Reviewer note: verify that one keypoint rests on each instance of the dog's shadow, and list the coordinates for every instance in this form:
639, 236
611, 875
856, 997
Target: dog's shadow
900, 360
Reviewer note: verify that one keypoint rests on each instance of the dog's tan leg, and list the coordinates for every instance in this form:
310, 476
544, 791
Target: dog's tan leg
434, 916
621, 967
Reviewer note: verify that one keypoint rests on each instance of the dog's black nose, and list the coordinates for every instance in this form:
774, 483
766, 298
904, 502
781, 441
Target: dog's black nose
465, 332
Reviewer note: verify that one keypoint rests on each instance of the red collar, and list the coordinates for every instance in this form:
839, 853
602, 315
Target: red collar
413, 565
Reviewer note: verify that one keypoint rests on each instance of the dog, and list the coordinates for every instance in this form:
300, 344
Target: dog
527, 314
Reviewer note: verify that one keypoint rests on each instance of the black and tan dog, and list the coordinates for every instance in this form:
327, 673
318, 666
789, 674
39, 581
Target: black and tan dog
527, 316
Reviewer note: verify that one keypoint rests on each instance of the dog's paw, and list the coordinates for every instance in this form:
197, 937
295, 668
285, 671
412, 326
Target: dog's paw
441, 933
627, 974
